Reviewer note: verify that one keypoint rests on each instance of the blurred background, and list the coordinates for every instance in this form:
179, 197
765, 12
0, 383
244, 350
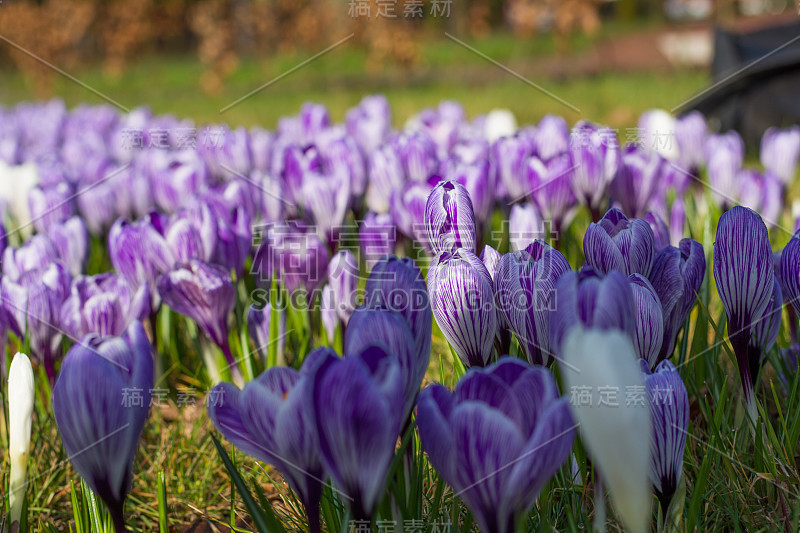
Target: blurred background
609, 60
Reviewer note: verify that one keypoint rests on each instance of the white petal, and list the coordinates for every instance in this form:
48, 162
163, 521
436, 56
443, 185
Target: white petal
20, 410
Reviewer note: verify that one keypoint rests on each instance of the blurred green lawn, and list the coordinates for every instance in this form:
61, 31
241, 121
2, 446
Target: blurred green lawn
171, 84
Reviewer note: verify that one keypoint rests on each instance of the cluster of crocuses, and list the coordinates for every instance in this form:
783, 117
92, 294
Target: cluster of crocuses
180, 207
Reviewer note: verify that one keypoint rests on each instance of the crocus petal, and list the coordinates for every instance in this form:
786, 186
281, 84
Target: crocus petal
649, 319
20, 412
449, 218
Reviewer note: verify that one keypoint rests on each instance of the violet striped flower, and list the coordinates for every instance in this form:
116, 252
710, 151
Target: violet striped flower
461, 291
386, 175
690, 135
497, 439
551, 189
205, 293
551, 137
591, 300
35, 253
744, 274
510, 156
295, 254
637, 179
50, 205
524, 288
357, 444
649, 318
398, 285
669, 411
100, 401
449, 218
780, 150
525, 225
619, 243
343, 278
370, 122
761, 192
71, 239
270, 420
677, 276
477, 177
104, 304
377, 236
789, 272
765, 329
661, 234
491, 260
596, 156
724, 154
176, 177
407, 209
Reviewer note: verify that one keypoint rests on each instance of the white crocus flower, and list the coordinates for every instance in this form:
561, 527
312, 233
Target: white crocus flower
615, 426
20, 411
657, 128
16, 183
499, 123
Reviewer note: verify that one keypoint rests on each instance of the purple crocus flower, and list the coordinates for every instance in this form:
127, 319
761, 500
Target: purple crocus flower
649, 317
525, 225
619, 243
205, 293
595, 154
176, 177
744, 274
261, 142
669, 410
589, 299
780, 150
477, 178
766, 328
637, 179
390, 331
524, 290
789, 272
104, 304
449, 218
460, 288
690, 135
139, 253
294, 254
661, 233
676, 277
761, 192
386, 175
370, 122
551, 189
99, 419
677, 221
269, 419
341, 155
32, 305
343, 277
184, 239
327, 199
71, 239
511, 155
724, 155
234, 234
35, 253
398, 285
357, 444
491, 260
259, 329
497, 439
407, 209
551, 137
377, 236
50, 205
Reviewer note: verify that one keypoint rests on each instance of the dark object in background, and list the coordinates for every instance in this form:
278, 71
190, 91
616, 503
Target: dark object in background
756, 82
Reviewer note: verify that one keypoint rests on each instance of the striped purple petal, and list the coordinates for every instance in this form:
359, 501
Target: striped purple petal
449, 218
619, 243
649, 319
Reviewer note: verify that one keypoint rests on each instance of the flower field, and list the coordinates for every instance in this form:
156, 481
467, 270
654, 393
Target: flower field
462, 324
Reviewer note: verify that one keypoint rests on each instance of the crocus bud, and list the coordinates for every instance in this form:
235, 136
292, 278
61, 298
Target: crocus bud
343, 279
690, 135
327, 199
295, 254
612, 431
50, 205
377, 236
461, 290
595, 153
370, 122
649, 318
780, 150
637, 179
551, 189
386, 175
551, 137
35, 253
619, 243
100, 401
658, 133
407, 209
499, 123
496, 462
745, 281
357, 445
765, 330
761, 192
591, 300
525, 225
724, 155
20, 412
477, 177
449, 218
511, 155
71, 239
524, 290
176, 177
676, 277
661, 234
669, 411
